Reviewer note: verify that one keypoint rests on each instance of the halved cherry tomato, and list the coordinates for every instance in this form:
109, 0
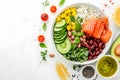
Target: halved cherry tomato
41, 38
53, 9
44, 16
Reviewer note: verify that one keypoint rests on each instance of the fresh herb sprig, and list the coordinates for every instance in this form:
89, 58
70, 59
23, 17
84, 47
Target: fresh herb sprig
43, 55
45, 3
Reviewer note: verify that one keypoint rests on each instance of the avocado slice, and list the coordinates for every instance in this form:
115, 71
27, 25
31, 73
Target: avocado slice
113, 47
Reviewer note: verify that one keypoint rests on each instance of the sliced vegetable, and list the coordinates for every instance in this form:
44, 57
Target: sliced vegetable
60, 23
61, 40
64, 47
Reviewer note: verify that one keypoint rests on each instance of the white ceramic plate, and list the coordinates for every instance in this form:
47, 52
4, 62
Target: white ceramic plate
107, 45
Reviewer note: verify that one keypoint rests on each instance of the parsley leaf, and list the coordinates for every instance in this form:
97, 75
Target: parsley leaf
43, 55
45, 3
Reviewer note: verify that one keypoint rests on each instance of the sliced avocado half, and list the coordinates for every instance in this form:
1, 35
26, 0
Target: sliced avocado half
113, 48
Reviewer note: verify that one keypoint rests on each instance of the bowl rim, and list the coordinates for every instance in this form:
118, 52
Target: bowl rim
106, 48
116, 70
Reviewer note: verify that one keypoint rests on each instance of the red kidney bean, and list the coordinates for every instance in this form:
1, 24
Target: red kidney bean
100, 45
92, 47
97, 53
89, 51
91, 42
72, 37
83, 44
79, 45
88, 46
69, 33
90, 58
95, 40
103, 46
95, 44
81, 39
94, 53
87, 41
98, 40
84, 36
91, 54
72, 41
96, 49
95, 57
84, 40
101, 50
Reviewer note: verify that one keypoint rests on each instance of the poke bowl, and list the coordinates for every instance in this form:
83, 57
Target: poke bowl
81, 33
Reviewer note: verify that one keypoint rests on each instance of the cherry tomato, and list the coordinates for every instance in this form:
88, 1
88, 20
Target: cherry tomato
41, 38
53, 9
44, 16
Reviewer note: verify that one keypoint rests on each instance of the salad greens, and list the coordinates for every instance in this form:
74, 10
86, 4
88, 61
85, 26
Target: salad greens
78, 54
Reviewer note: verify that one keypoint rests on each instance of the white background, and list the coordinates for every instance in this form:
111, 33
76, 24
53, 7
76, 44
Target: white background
20, 25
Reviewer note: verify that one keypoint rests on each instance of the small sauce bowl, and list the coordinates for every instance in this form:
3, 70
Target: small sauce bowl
88, 72
107, 66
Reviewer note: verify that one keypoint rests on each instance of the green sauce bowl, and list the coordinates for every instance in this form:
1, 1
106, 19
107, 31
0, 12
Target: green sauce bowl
107, 66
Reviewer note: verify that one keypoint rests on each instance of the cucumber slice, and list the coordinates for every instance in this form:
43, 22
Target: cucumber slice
61, 37
59, 41
60, 23
60, 32
59, 29
64, 47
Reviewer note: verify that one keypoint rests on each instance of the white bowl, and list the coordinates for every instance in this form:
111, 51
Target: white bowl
116, 61
107, 45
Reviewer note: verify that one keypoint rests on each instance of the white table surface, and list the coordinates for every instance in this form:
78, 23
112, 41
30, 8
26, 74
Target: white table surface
20, 25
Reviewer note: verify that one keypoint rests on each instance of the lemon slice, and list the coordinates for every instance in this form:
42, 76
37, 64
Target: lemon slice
62, 71
116, 16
